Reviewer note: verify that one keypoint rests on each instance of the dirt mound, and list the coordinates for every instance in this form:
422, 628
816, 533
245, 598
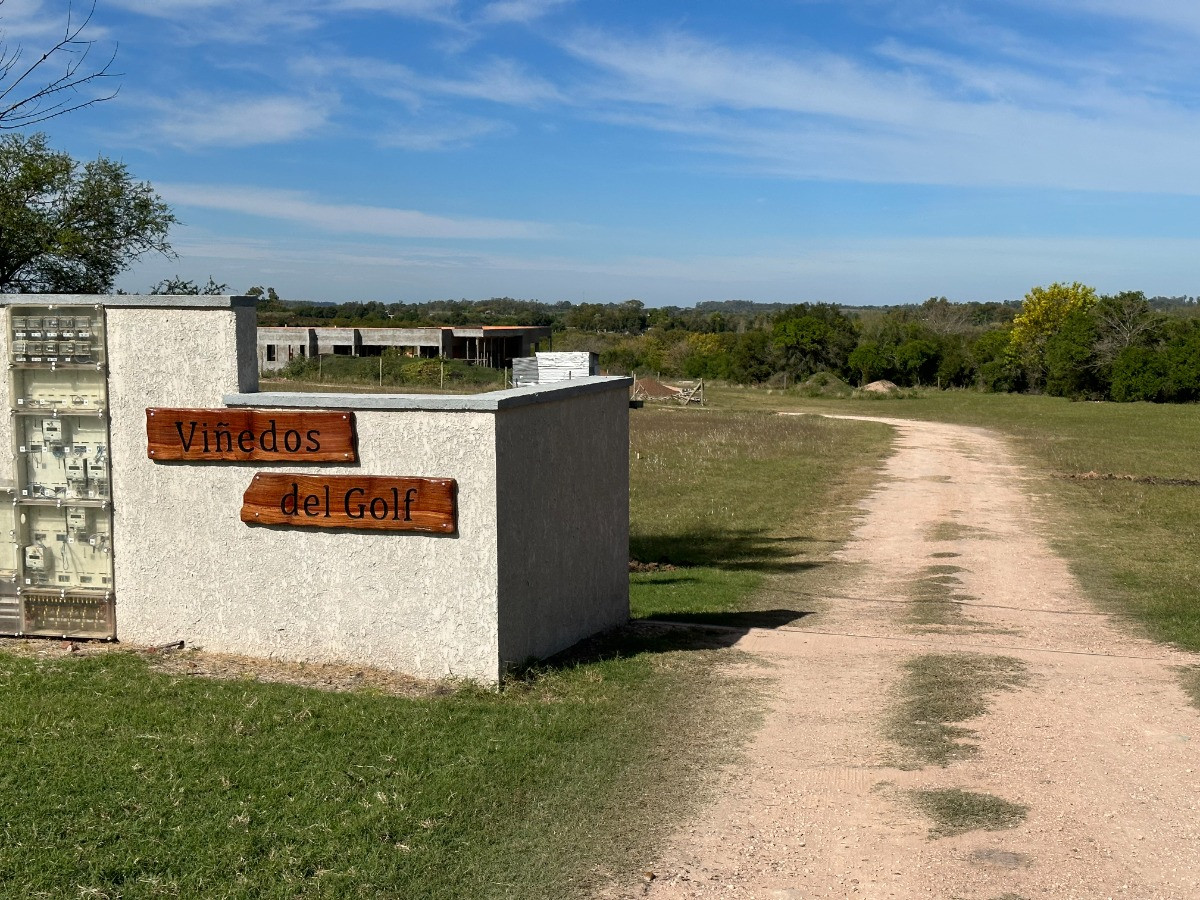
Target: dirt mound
652, 388
881, 387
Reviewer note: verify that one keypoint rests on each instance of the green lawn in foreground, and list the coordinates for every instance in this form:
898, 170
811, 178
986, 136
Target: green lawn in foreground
1132, 545
119, 781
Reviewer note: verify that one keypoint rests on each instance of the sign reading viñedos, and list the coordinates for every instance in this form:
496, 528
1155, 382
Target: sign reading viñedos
249, 435
368, 502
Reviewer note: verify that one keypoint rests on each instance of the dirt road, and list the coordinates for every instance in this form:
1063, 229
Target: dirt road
1100, 743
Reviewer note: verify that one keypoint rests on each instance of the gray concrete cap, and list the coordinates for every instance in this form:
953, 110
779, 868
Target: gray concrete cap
151, 301
489, 402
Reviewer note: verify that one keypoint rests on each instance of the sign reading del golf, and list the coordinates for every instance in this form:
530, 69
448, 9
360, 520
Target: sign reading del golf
370, 502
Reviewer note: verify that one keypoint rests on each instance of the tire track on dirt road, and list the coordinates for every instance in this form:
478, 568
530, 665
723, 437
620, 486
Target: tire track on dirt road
1100, 741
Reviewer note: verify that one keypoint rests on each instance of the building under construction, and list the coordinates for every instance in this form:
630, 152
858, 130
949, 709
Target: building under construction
495, 346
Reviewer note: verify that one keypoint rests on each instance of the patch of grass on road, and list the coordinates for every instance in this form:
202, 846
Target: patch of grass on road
937, 693
955, 811
935, 598
732, 498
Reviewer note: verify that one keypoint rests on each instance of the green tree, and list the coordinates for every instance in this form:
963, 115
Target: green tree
814, 337
1043, 312
71, 228
1072, 368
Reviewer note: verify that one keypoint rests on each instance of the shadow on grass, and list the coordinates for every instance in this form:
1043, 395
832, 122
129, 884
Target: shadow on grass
742, 620
682, 632
736, 549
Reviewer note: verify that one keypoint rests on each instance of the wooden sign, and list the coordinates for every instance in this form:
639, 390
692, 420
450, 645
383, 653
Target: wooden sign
250, 435
370, 502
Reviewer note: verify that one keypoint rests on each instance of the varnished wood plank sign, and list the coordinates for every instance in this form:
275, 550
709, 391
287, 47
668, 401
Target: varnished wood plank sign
250, 435
369, 502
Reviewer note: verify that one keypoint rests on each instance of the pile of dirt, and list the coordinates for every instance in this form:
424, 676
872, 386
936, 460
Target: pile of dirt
639, 566
653, 389
880, 387
1140, 479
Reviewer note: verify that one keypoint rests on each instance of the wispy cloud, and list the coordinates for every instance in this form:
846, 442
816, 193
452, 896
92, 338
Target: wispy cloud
425, 137
296, 207
912, 116
203, 121
498, 80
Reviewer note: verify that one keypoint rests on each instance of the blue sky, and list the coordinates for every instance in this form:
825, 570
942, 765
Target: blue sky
860, 152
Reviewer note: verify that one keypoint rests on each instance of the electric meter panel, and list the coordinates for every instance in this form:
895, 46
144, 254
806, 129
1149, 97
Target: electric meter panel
57, 390
63, 458
60, 577
67, 547
10, 602
68, 338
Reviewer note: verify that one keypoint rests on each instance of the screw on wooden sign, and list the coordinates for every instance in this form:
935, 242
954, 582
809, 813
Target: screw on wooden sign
250, 435
363, 502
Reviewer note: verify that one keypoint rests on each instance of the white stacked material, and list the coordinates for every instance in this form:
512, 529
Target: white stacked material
524, 371
552, 367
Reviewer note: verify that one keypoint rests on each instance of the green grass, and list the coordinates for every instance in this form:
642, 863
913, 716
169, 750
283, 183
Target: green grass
1131, 544
120, 782
934, 600
733, 499
956, 812
939, 692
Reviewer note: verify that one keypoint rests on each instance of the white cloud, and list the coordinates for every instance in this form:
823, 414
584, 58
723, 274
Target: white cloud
424, 137
519, 11
936, 119
498, 80
202, 121
293, 206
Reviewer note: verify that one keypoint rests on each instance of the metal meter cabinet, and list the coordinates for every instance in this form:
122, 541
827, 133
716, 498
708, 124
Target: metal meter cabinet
59, 530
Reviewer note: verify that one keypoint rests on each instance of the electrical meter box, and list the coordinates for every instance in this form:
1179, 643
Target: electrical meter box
56, 572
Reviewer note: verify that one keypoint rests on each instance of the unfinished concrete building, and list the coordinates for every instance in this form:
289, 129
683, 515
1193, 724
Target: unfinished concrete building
494, 346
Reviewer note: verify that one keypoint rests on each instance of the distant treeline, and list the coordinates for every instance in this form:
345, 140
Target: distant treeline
1063, 340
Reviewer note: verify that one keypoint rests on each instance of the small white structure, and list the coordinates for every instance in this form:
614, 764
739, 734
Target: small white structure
539, 560
551, 367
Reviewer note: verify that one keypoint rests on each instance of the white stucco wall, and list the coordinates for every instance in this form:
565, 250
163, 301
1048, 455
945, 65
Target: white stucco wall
538, 563
563, 500
187, 568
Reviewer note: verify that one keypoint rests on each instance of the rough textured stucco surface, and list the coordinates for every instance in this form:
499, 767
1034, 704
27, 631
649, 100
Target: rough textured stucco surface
188, 569
563, 500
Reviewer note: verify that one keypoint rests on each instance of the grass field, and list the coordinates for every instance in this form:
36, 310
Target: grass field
1130, 541
728, 499
121, 781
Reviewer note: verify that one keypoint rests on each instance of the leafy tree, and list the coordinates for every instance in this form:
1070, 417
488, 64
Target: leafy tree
1042, 313
1072, 367
997, 367
814, 337
870, 361
30, 93
67, 228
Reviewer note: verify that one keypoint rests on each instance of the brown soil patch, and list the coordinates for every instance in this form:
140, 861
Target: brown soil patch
173, 660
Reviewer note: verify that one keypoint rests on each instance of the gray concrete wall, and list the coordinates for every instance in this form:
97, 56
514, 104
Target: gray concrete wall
563, 497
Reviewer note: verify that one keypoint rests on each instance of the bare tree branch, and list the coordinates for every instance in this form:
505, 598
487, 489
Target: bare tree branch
25, 99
